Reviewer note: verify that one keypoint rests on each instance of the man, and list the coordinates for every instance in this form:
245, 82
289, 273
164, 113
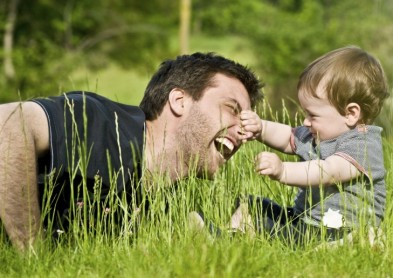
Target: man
192, 106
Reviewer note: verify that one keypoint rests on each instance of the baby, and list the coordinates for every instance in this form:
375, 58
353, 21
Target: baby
341, 172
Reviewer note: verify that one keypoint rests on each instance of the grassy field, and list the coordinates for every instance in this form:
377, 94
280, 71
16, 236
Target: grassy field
127, 86
166, 245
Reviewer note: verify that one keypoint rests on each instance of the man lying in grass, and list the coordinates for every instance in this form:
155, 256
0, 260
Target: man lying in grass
341, 173
86, 145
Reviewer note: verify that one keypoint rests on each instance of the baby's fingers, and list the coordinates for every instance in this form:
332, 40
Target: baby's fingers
247, 114
269, 164
246, 136
263, 167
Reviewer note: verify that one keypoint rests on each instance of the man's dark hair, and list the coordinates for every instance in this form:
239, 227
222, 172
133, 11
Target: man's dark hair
193, 74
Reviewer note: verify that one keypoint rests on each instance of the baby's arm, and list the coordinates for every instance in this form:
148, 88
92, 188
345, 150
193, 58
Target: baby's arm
275, 135
332, 170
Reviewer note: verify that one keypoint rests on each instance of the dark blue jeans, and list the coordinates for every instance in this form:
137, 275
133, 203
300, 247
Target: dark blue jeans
283, 222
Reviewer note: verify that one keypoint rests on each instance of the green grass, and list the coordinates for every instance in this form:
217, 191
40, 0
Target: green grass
198, 258
166, 246
128, 86
118, 84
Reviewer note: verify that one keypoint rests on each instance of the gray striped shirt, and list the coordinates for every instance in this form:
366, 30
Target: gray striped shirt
360, 201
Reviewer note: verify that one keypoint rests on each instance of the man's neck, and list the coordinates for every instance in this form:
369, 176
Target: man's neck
160, 154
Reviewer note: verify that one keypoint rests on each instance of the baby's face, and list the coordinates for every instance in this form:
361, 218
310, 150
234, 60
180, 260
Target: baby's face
321, 117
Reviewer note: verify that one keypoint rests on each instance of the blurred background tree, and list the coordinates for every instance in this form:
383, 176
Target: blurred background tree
45, 42
286, 35
51, 38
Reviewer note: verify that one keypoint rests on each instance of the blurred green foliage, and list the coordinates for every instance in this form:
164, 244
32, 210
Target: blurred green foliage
286, 35
53, 38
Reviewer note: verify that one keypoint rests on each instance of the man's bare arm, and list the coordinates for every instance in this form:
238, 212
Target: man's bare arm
24, 136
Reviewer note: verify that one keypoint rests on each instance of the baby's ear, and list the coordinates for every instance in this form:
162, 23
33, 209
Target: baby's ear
353, 114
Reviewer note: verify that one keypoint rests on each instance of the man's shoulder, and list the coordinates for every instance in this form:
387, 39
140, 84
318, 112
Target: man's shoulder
90, 103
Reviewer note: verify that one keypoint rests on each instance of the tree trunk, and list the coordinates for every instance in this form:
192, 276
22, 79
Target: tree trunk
9, 70
184, 31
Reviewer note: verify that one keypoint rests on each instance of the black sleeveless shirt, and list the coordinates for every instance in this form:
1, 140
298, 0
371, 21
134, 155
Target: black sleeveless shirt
93, 141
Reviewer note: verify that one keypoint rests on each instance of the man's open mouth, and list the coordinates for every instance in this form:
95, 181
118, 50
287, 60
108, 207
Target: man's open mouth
224, 146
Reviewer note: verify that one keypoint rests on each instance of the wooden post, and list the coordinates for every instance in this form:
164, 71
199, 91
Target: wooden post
8, 40
184, 30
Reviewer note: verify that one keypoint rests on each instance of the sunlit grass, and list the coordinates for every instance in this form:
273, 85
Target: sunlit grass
118, 84
165, 245
127, 85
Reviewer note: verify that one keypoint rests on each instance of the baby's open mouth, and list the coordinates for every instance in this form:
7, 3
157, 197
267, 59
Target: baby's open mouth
224, 146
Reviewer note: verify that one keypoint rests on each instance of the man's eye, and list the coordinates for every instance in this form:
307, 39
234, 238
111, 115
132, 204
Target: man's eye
234, 109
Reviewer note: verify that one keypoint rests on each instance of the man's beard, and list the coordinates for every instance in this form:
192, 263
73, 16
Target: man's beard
193, 145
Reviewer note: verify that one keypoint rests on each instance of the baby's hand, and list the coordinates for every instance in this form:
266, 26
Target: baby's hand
251, 125
269, 164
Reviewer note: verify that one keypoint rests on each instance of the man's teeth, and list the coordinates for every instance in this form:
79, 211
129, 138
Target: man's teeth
226, 142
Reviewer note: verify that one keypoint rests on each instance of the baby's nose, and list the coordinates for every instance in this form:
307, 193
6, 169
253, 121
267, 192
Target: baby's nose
306, 122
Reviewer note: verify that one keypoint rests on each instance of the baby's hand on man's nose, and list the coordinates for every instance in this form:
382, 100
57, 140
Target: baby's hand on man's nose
251, 125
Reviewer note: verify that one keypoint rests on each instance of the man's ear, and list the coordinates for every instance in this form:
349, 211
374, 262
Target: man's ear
353, 114
176, 101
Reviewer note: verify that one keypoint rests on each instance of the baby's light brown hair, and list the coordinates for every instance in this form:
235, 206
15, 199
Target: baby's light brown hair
349, 74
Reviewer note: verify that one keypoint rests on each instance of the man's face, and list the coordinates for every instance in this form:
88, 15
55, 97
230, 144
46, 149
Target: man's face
209, 135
